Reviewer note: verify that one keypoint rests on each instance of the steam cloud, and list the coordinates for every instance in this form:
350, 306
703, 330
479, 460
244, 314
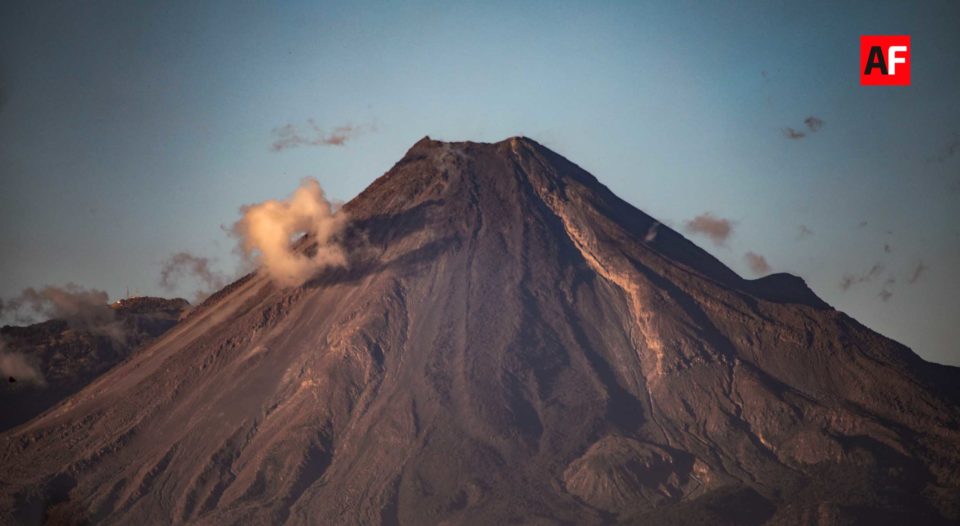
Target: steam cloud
758, 264
267, 229
19, 367
717, 229
290, 136
185, 264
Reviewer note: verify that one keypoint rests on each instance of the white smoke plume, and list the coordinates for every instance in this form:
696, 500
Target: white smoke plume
19, 367
267, 231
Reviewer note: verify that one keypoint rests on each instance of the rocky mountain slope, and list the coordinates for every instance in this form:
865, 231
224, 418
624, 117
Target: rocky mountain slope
508, 345
63, 357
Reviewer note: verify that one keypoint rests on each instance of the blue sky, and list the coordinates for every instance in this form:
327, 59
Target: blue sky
130, 132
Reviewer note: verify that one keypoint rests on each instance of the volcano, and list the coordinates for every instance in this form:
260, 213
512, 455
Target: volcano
510, 343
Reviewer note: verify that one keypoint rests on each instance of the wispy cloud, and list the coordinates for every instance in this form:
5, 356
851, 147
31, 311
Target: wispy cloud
70, 302
948, 150
813, 124
183, 265
918, 271
850, 280
293, 136
791, 133
82, 308
758, 264
718, 229
885, 292
651, 234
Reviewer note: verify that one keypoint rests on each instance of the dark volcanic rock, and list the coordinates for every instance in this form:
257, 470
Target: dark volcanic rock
505, 347
68, 357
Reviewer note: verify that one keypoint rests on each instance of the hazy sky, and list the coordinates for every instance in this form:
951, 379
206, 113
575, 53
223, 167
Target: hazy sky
128, 132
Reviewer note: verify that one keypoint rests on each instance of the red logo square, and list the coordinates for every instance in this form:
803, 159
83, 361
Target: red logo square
885, 60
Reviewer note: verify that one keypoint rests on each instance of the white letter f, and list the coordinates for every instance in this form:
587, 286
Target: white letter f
893, 59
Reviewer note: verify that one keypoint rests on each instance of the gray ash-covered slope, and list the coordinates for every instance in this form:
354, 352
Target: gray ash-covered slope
505, 347
69, 354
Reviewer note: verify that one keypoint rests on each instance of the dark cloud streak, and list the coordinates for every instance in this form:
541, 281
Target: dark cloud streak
292, 136
950, 149
918, 271
850, 280
790, 133
813, 123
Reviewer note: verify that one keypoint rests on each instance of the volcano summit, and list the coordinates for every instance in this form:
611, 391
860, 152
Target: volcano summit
507, 344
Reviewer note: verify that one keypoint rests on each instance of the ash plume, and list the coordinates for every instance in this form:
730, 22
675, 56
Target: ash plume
266, 229
758, 264
183, 265
717, 229
292, 136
